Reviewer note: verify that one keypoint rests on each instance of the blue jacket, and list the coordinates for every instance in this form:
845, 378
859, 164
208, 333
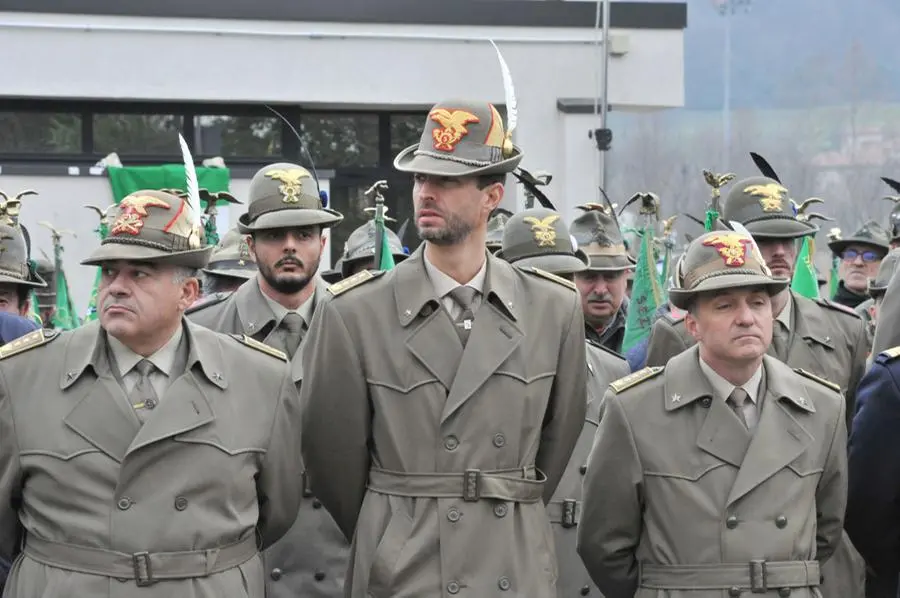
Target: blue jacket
13, 326
873, 494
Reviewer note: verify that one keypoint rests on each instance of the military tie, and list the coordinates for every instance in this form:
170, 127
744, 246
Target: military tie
143, 397
464, 296
736, 401
292, 327
779, 341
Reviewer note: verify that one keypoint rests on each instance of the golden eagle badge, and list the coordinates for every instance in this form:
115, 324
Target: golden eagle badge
133, 210
291, 183
543, 230
731, 246
452, 127
771, 196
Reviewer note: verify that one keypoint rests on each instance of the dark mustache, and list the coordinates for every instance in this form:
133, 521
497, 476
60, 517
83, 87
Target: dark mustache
114, 303
595, 298
289, 260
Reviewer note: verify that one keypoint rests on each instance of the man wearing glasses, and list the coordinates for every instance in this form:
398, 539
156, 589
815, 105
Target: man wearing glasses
860, 254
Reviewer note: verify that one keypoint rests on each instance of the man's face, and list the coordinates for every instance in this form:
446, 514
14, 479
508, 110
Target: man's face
448, 209
780, 255
731, 327
858, 264
288, 258
9, 300
601, 294
359, 265
138, 301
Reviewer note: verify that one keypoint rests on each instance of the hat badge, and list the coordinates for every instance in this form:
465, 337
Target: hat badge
542, 229
290, 182
130, 220
731, 247
771, 196
452, 127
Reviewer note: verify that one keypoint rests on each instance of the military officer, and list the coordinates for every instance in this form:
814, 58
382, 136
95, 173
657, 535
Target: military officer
18, 278
495, 227
286, 221
230, 265
868, 309
460, 393
359, 250
860, 256
539, 238
603, 285
131, 461
723, 473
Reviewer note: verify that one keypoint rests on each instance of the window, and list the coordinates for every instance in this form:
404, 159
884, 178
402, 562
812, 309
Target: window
237, 136
136, 134
337, 140
40, 133
406, 130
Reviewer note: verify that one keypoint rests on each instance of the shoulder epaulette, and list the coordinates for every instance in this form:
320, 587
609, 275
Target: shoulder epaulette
890, 354
27, 342
671, 318
818, 379
261, 347
603, 347
553, 277
342, 286
208, 301
837, 307
635, 378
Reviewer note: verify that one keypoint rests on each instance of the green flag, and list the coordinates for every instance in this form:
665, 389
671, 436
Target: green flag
835, 278
64, 317
168, 176
805, 281
91, 314
646, 295
387, 258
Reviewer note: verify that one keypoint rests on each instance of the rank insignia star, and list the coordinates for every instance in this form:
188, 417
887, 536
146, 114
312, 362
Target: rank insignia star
676, 398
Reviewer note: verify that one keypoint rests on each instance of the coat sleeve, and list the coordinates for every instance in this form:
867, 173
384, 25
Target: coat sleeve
889, 311
860, 344
10, 479
279, 484
567, 406
337, 417
613, 484
873, 498
665, 343
831, 493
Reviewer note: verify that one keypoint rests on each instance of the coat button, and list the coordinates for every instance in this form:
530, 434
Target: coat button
706, 402
453, 588
499, 440
734, 591
781, 523
784, 592
450, 443
181, 503
307, 493
149, 403
275, 574
582, 470
731, 522
124, 503
503, 583
453, 515
319, 575
585, 590
317, 504
500, 510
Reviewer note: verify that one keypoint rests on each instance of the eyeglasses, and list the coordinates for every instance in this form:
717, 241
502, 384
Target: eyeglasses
868, 256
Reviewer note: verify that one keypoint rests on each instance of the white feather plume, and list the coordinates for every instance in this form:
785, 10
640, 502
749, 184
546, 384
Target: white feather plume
193, 189
740, 228
512, 112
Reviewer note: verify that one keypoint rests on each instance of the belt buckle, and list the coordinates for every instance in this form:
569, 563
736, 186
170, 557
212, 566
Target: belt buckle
568, 513
143, 573
472, 485
758, 577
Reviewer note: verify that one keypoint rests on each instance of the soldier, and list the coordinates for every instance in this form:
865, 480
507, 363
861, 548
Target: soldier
496, 225
860, 256
359, 251
604, 284
723, 473
435, 448
286, 221
539, 238
131, 461
230, 265
18, 278
868, 309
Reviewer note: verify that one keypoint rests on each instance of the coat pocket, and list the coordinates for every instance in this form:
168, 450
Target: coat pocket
387, 553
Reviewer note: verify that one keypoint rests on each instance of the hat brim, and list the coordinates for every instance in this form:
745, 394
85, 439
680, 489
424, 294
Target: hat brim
331, 276
231, 273
408, 161
610, 263
108, 252
681, 298
554, 263
838, 247
289, 218
34, 281
780, 228
347, 265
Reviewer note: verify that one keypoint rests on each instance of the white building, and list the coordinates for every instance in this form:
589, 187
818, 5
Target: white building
356, 76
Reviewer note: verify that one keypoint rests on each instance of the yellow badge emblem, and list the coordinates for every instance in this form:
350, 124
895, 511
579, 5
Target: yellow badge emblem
130, 220
731, 246
543, 230
770, 196
452, 127
291, 184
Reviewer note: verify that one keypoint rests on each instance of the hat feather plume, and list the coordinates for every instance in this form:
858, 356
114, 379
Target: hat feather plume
512, 112
193, 187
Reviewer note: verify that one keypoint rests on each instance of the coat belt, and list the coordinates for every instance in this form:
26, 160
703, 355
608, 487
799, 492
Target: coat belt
525, 485
757, 576
565, 512
146, 568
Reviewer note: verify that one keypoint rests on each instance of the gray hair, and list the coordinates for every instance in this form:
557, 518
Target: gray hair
182, 273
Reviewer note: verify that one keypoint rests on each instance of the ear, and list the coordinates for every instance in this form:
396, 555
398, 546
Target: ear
493, 196
251, 245
690, 324
190, 292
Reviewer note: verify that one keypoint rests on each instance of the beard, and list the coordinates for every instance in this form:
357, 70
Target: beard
454, 231
288, 284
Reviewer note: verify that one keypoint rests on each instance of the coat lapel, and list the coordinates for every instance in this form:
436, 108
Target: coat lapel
779, 437
253, 311
100, 414
186, 404
493, 339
